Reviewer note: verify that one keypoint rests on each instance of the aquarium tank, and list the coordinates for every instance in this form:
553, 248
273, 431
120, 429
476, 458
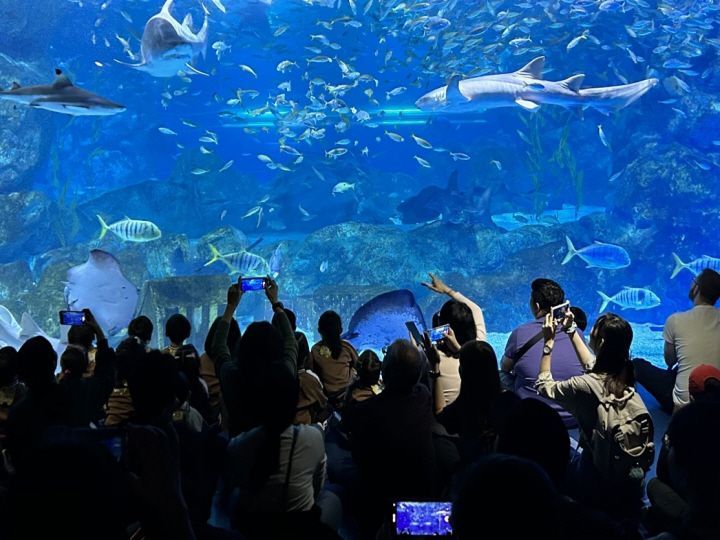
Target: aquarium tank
152, 153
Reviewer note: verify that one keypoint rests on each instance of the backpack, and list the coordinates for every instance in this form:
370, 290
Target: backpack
622, 440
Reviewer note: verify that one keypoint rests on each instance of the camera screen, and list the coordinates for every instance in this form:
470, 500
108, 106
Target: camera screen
423, 518
253, 284
558, 312
436, 334
74, 318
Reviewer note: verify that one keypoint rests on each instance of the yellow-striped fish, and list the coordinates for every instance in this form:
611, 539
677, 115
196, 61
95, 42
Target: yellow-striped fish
131, 230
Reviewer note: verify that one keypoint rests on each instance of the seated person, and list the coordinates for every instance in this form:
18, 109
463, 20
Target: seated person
177, 330
130, 354
367, 383
83, 336
691, 338
467, 323
391, 437
87, 395
333, 358
524, 349
11, 389
685, 497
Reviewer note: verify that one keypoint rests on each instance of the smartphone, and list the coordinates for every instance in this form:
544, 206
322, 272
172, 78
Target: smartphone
72, 318
558, 312
422, 518
252, 283
438, 333
414, 332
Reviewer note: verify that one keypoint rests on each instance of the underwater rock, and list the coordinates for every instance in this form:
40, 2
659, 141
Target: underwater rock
15, 284
23, 138
27, 225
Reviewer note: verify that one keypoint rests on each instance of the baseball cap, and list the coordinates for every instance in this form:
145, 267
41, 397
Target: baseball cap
700, 375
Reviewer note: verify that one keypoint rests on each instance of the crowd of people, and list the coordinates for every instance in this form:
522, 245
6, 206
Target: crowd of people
263, 436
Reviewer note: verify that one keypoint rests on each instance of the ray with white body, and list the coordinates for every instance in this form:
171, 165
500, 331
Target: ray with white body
527, 89
168, 46
62, 97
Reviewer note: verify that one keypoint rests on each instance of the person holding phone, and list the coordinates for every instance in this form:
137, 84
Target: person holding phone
87, 395
525, 348
467, 323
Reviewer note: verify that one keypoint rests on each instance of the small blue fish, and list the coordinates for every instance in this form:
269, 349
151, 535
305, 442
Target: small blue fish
631, 298
599, 255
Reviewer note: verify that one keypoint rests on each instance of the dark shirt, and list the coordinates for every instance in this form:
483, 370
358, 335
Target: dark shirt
86, 396
241, 395
392, 443
565, 363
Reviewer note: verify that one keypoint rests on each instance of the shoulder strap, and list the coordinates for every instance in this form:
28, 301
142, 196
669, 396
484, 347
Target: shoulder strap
286, 487
525, 348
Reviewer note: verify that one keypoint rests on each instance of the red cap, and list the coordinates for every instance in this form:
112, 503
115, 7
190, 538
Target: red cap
700, 375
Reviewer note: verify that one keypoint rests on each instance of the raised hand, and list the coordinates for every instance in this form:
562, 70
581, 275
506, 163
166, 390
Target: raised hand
271, 290
436, 284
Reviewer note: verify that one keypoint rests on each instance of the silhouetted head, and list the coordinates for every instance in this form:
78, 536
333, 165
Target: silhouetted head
74, 361
330, 329
37, 361
292, 318
177, 329
142, 328
707, 286
534, 430
68, 488
704, 383
610, 339
545, 293
8, 366
401, 367
232, 339
129, 355
480, 379
693, 444
487, 487
460, 318
580, 317
368, 368
82, 335
153, 385
259, 346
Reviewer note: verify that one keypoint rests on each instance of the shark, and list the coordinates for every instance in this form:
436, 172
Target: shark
527, 89
61, 97
168, 46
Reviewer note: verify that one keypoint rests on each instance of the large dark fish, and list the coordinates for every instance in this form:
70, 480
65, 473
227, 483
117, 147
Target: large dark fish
381, 321
100, 286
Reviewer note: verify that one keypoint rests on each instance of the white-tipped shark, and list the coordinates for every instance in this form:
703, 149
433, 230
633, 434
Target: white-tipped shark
62, 97
168, 46
527, 89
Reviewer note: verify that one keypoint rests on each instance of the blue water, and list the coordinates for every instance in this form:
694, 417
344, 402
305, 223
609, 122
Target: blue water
649, 180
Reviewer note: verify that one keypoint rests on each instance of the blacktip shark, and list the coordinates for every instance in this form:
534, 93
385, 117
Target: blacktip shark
168, 46
527, 89
62, 97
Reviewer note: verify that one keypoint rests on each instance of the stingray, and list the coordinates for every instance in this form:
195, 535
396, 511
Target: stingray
100, 286
14, 334
168, 46
379, 322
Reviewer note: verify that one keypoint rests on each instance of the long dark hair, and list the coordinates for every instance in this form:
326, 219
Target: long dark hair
613, 336
460, 318
330, 329
479, 378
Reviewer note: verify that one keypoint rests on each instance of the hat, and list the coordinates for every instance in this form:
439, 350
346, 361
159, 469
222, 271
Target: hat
700, 375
